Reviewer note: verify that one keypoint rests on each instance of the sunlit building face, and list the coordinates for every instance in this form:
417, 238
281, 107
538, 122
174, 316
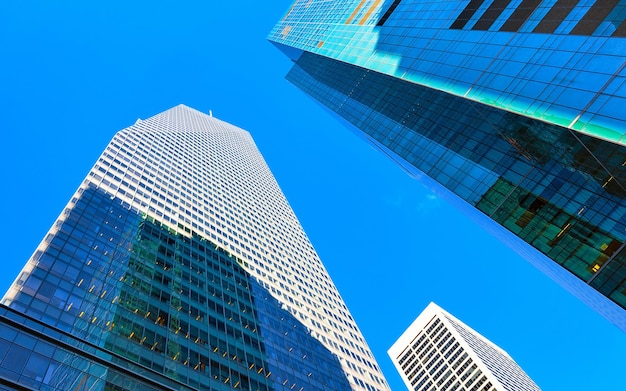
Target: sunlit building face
178, 264
439, 352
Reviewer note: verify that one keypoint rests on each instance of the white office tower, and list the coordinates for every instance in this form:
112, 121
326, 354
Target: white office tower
438, 352
180, 253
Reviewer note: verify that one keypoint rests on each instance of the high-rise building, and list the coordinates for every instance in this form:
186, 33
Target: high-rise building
511, 110
179, 264
439, 352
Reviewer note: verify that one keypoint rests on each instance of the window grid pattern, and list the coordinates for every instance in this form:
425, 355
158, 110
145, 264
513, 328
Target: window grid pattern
439, 353
499, 363
560, 192
181, 306
201, 177
567, 73
40, 357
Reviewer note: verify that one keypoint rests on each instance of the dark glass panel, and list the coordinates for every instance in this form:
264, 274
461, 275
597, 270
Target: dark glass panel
555, 16
620, 31
592, 19
466, 14
520, 15
491, 14
387, 14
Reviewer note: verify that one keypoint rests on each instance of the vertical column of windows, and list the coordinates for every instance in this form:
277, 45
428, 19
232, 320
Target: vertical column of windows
148, 185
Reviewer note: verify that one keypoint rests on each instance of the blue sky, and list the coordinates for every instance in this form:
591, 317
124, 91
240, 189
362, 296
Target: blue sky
74, 73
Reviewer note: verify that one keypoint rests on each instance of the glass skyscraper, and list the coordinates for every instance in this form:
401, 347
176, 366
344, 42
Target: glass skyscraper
512, 110
178, 264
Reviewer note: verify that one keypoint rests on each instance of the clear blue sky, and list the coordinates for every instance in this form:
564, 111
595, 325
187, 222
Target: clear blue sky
72, 74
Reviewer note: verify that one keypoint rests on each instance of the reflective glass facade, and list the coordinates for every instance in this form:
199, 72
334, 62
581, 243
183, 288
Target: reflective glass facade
491, 112
498, 52
148, 280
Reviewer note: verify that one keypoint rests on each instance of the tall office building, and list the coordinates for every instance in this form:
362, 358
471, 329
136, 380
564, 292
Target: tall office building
439, 352
179, 264
511, 110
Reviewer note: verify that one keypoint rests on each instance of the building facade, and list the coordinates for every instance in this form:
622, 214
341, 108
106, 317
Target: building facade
511, 110
179, 264
439, 352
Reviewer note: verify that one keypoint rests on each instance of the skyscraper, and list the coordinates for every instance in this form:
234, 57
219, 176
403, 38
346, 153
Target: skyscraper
179, 264
513, 111
439, 352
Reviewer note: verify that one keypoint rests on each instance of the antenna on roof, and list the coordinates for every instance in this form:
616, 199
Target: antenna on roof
210, 113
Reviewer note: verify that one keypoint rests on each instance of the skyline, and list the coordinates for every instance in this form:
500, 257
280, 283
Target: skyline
70, 64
